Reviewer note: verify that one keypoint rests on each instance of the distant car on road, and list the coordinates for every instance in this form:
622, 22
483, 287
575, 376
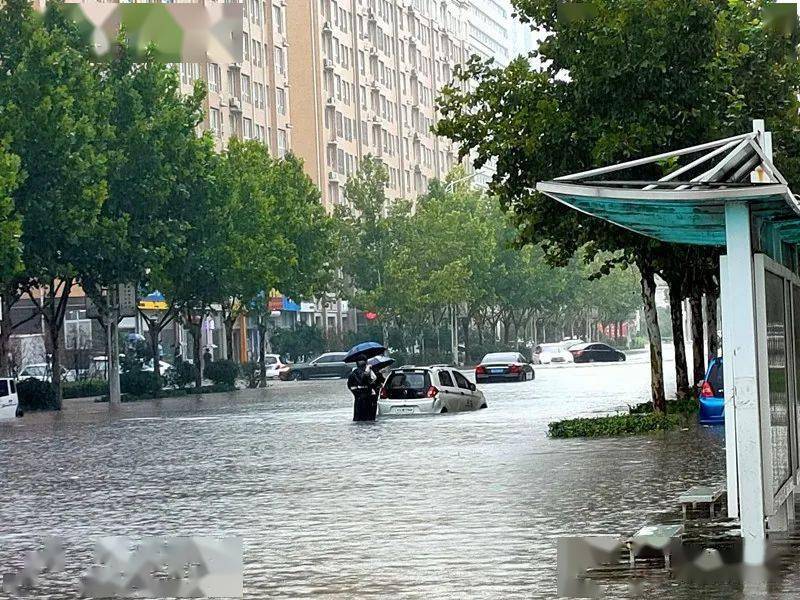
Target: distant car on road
595, 352
273, 366
428, 390
42, 372
712, 394
545, 354
328, 365
504, 366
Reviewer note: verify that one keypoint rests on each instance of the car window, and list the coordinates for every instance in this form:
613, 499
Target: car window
270, 360
462, 381
322, 359
13, 387
499, 357
445, 379
715, 378
521, 358
537, 350
3, 388
409, 380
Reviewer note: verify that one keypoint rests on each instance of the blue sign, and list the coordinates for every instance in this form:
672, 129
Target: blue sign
290, 305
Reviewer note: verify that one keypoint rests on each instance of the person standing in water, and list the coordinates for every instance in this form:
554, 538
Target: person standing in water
361, 384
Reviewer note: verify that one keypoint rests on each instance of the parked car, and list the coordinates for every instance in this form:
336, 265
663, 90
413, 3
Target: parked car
428, 390
164, 367
42, 372
330, 364
504, 366
545, 354
273, 366
8, 398
595, 352
712, 394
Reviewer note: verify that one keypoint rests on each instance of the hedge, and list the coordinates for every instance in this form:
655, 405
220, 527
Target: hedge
34, 394
83, 389
617, 425
222, 372
173, 393
139, 382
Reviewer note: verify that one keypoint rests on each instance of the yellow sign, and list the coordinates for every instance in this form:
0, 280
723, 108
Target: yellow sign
150, 305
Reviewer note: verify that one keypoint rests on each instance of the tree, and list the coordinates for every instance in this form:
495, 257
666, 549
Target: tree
52, 112
628, 78
141, 223
10, 250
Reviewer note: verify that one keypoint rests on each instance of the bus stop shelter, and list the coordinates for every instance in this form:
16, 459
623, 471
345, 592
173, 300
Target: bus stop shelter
728, 193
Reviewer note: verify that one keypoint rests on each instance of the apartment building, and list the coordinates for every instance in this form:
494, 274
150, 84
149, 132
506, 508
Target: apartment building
250, 100
365, 83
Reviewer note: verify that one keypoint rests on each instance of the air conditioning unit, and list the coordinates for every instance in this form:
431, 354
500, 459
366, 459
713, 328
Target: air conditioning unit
333, 176
331, 101
327, 63
233, 102
326, 27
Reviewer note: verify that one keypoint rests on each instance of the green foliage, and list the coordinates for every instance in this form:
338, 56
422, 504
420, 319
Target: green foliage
34, 394
302, 341
139, 382
617, 425
184, 373
84, 389
222, 372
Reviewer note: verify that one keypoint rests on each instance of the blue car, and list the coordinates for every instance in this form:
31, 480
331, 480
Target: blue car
712, 395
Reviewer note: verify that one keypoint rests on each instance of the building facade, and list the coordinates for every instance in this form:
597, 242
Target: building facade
366, 84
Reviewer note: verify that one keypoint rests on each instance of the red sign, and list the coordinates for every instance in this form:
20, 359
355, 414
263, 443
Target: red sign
370, 316
275, 303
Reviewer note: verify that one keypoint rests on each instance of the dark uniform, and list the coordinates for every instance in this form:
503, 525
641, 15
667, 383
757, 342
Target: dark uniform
361, 383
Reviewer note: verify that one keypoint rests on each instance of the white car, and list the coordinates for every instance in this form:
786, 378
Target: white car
163, 367
546, 354
42, 372
8, 398
273, 365
428, 390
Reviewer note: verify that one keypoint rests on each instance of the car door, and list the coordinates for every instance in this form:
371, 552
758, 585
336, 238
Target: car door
339, 368
451, 395
607, 353
467, 398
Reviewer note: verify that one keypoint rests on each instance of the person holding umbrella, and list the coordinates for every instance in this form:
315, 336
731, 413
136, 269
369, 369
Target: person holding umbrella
362, 380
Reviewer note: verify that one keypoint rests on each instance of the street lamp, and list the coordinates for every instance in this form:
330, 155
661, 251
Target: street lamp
450, 186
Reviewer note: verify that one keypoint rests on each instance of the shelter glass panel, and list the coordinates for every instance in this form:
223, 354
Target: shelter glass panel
780, 440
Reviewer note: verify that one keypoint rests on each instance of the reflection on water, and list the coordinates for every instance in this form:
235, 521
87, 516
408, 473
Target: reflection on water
465, 505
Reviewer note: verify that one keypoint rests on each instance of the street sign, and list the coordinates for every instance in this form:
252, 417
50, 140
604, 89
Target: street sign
127, 300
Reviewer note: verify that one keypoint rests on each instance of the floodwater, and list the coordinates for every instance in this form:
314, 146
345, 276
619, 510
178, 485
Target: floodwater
452, 506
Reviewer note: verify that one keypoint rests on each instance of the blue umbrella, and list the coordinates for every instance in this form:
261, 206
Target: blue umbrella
379, 363
364, 351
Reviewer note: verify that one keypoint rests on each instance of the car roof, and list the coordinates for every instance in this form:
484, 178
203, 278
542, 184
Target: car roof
510, 353
582, 346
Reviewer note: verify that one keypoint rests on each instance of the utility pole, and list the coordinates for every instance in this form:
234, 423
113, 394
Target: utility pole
114, 396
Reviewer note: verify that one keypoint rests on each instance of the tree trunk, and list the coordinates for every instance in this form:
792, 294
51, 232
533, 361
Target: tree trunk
698, 353
114, 390
262, 358
196, 330
676, 317
711, 320
229, 322
6, 327
465, 337
154, 337
654, 336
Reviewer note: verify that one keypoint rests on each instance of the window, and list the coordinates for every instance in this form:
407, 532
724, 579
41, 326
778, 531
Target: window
257, 53
214, 78
3, 387
247, 128
214, 121
246, 47
277, 18
462, 381
246, 88
13, 387
280, 60
282, 142
445, 379
77, 330
280, 100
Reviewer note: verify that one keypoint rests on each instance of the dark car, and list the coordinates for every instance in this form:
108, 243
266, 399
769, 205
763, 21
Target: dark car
595, 352
712, 394
504, 366
330, 364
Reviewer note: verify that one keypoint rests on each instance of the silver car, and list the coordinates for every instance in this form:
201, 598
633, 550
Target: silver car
428, 390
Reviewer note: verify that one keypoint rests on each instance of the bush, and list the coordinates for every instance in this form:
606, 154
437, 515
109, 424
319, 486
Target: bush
36, 395
184, 373
630, 424
684, 406
222, 371
139, 382
82, 389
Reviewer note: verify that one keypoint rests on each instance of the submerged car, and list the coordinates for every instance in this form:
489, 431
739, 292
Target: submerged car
504, 366
8, 399
545, 354
328, 365
428, 390
712, 394
595, 352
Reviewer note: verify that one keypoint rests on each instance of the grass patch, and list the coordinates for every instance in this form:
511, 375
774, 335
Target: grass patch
639, 419
176, 393
613, 426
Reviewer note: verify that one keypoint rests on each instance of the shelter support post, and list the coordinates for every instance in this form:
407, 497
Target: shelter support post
740, 351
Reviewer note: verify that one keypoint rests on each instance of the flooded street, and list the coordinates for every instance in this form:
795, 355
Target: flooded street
461, 505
